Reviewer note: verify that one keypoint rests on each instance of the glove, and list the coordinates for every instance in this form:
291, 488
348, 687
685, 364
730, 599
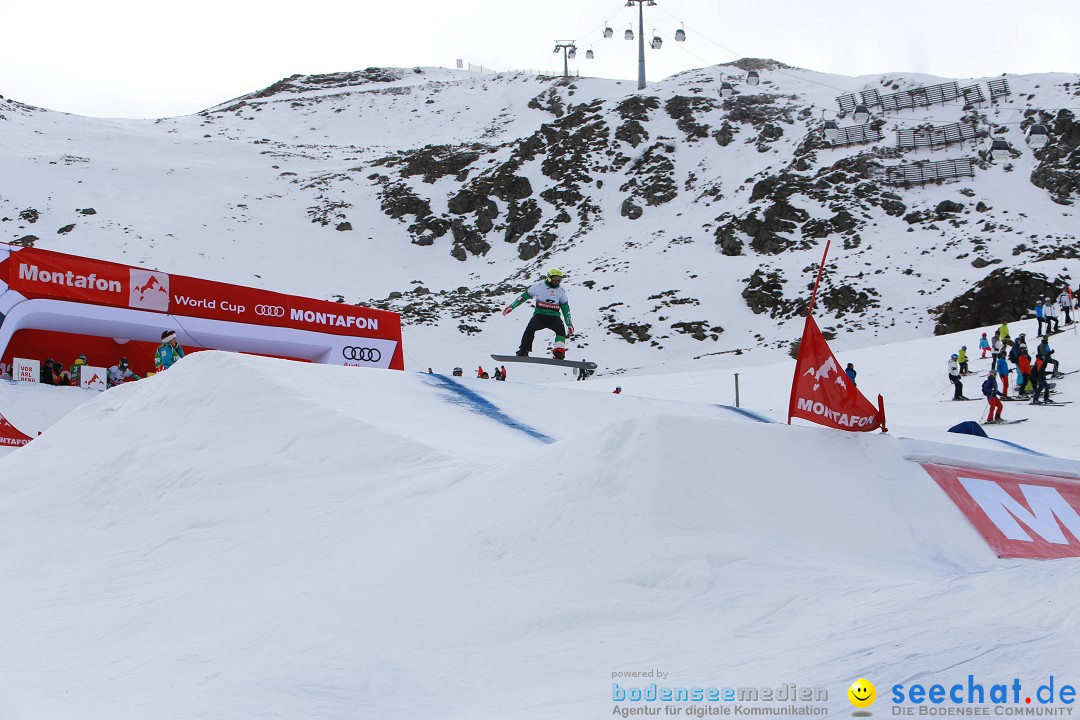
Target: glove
507, 309
570, 330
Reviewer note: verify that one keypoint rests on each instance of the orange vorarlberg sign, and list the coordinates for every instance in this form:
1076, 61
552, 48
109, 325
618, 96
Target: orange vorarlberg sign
55, 293
1019, 515
823, 393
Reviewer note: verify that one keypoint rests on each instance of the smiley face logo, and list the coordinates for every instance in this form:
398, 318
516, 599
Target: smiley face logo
862, 693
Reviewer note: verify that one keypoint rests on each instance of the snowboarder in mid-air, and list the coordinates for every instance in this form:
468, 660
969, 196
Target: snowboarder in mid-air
551, 300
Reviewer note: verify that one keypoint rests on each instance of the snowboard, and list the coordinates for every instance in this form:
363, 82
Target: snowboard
546, 361
1005, 422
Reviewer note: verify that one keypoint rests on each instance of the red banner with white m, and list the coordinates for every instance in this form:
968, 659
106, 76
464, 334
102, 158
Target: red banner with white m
821, 391
1019, 515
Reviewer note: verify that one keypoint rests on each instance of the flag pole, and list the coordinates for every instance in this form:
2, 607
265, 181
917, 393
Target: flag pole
817, 280
806, 325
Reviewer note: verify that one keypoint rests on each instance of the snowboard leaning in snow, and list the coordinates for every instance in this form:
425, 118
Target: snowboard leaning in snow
546, 361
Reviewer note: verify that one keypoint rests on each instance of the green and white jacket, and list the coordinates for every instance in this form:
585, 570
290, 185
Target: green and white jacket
550, 300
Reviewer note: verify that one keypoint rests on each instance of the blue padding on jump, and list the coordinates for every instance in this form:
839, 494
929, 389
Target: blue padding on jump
476, 402
1019, 447
748, 413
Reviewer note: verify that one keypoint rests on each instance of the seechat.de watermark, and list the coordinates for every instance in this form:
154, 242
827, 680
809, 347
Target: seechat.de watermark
974, 698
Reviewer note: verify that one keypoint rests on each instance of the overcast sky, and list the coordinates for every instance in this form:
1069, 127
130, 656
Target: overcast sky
122, 58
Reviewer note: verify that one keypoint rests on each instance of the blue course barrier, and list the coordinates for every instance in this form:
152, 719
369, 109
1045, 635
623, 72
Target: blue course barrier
472, 400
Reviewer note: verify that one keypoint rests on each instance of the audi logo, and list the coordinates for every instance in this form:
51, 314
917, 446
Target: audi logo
270, 310
362, 354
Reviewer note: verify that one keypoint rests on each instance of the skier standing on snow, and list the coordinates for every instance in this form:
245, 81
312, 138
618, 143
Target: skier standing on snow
168, 352
963, 360
1040, 316
984, 344
1044, 353
1003, 373
1050, 316
1065, 303
954, 378
551, 299
120, 373
1038, 383
1023, 373
989, 389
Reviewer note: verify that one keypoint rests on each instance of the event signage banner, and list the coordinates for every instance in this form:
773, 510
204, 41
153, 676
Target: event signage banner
821, 391
39, 273
26, 370
92, 378
1019, 515
10, 436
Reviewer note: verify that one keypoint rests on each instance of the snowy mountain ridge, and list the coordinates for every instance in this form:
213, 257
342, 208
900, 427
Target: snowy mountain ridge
690, 222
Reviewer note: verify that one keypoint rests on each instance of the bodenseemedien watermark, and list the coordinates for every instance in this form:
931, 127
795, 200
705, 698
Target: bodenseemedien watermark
787, 699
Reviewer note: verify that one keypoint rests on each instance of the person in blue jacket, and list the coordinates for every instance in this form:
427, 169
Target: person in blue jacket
989, 389
851, 373
168, 352
1039, 316
1003, 373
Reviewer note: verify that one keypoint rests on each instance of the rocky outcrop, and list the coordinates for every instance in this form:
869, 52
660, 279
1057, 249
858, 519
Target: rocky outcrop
300, 83
549, 101
685, 110
1059, 162
433, 161
1002, 295
764, 293
634, 111
652, 176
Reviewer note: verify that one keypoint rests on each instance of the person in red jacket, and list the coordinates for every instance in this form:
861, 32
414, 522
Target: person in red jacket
1023, 367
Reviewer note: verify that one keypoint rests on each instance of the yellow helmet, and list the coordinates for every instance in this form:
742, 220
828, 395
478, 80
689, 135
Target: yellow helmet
555, 273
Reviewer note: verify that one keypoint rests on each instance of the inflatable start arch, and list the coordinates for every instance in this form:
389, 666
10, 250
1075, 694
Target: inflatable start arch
60, 306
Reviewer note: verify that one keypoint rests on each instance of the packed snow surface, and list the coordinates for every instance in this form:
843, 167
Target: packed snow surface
245, 537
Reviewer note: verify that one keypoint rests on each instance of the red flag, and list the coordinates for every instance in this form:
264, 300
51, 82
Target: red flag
821, 391
10, 436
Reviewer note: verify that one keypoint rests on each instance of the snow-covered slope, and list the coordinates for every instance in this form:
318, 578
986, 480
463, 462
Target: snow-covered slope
248, 537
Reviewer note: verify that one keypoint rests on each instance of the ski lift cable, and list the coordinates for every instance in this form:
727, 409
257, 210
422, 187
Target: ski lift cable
600, 28
738, 54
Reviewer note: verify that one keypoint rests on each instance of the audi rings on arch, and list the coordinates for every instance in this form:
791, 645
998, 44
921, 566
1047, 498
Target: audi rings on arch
270, 310
362, 354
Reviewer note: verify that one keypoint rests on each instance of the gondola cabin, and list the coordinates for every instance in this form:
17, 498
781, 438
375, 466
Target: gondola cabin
1037, 136
1000, 149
